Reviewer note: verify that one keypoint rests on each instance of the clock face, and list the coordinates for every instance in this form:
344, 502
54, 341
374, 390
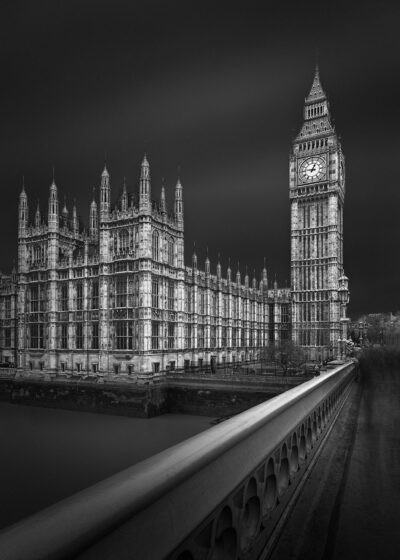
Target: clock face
312, 169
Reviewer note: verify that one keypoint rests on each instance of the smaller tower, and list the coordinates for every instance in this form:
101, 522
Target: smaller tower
23, 212
144, 186
53, 214
163, 202
246, 279
75, 221
178, 203
93, 220
265, 277
207, 265
229, 272
238, 277
219, 269
105, 195
124, 198
38, 218
64, 213
194, 260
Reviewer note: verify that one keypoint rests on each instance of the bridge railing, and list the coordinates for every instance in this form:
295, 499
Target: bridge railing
218, 494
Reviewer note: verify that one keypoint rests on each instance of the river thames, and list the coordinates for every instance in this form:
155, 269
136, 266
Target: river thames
48, 454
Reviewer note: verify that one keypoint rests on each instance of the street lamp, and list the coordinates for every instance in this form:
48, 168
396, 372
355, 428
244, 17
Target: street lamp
361, 329
344, 296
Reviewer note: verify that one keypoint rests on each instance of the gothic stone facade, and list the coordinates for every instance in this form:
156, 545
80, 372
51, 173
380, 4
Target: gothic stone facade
119, 298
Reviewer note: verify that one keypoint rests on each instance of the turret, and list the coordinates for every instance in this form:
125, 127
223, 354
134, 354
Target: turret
64, 213
246, 279
93, 220
178, 203
163, 202
219, 269
124, 198
144, 187
53, 214
105, 195
229, 272
75, 222
254, 282
238, 277
23, 212
194, 261
38, 218
207, 265
265, 277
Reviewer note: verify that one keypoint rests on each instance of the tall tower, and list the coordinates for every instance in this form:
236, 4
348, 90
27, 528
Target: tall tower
105, 195
317, 189
144, 186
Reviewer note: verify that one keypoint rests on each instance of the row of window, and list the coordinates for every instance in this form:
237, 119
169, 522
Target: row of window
315, 144
314, 337
311, 312
311, 277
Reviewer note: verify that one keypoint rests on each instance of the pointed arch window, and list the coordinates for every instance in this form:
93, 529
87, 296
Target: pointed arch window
170, 251
123, 241
155, 245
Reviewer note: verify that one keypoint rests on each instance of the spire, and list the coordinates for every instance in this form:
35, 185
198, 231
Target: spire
246, 278
207, 264
316, 111
64, 211
316, 92
219, 269
105, 195
254, 283
238, 278
229, 271
23, 192
163, 203
105, 173
93, 219
75, 222
38, 218
145, 186
23, 210
53, 215
194, 257
265, 276
178, 203
124, 198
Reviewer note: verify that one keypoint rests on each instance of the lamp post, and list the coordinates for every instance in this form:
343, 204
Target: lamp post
344, 300
361, 329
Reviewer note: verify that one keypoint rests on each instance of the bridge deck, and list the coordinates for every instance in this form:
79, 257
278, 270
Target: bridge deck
350, 506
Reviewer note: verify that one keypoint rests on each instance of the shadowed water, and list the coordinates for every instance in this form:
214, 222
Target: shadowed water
49, 454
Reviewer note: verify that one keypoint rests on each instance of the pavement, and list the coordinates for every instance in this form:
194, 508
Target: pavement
349, 507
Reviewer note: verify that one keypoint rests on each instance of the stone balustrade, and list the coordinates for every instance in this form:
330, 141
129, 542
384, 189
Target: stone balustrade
219, 494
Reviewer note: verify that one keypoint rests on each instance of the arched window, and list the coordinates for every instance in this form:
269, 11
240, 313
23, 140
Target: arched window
123, 241
170, 249
155, 245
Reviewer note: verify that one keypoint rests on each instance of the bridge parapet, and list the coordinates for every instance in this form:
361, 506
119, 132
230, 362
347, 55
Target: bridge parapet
219, 494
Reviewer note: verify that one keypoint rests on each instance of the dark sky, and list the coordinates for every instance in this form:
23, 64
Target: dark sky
215, 88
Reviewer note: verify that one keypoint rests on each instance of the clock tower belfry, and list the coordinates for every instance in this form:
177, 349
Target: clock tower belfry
317, 189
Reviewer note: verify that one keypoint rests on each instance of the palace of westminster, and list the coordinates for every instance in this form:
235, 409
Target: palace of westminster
119, 298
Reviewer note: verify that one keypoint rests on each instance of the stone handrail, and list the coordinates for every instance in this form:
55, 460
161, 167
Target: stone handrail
213, 495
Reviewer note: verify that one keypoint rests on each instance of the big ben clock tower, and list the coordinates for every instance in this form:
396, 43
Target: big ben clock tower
317, 189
